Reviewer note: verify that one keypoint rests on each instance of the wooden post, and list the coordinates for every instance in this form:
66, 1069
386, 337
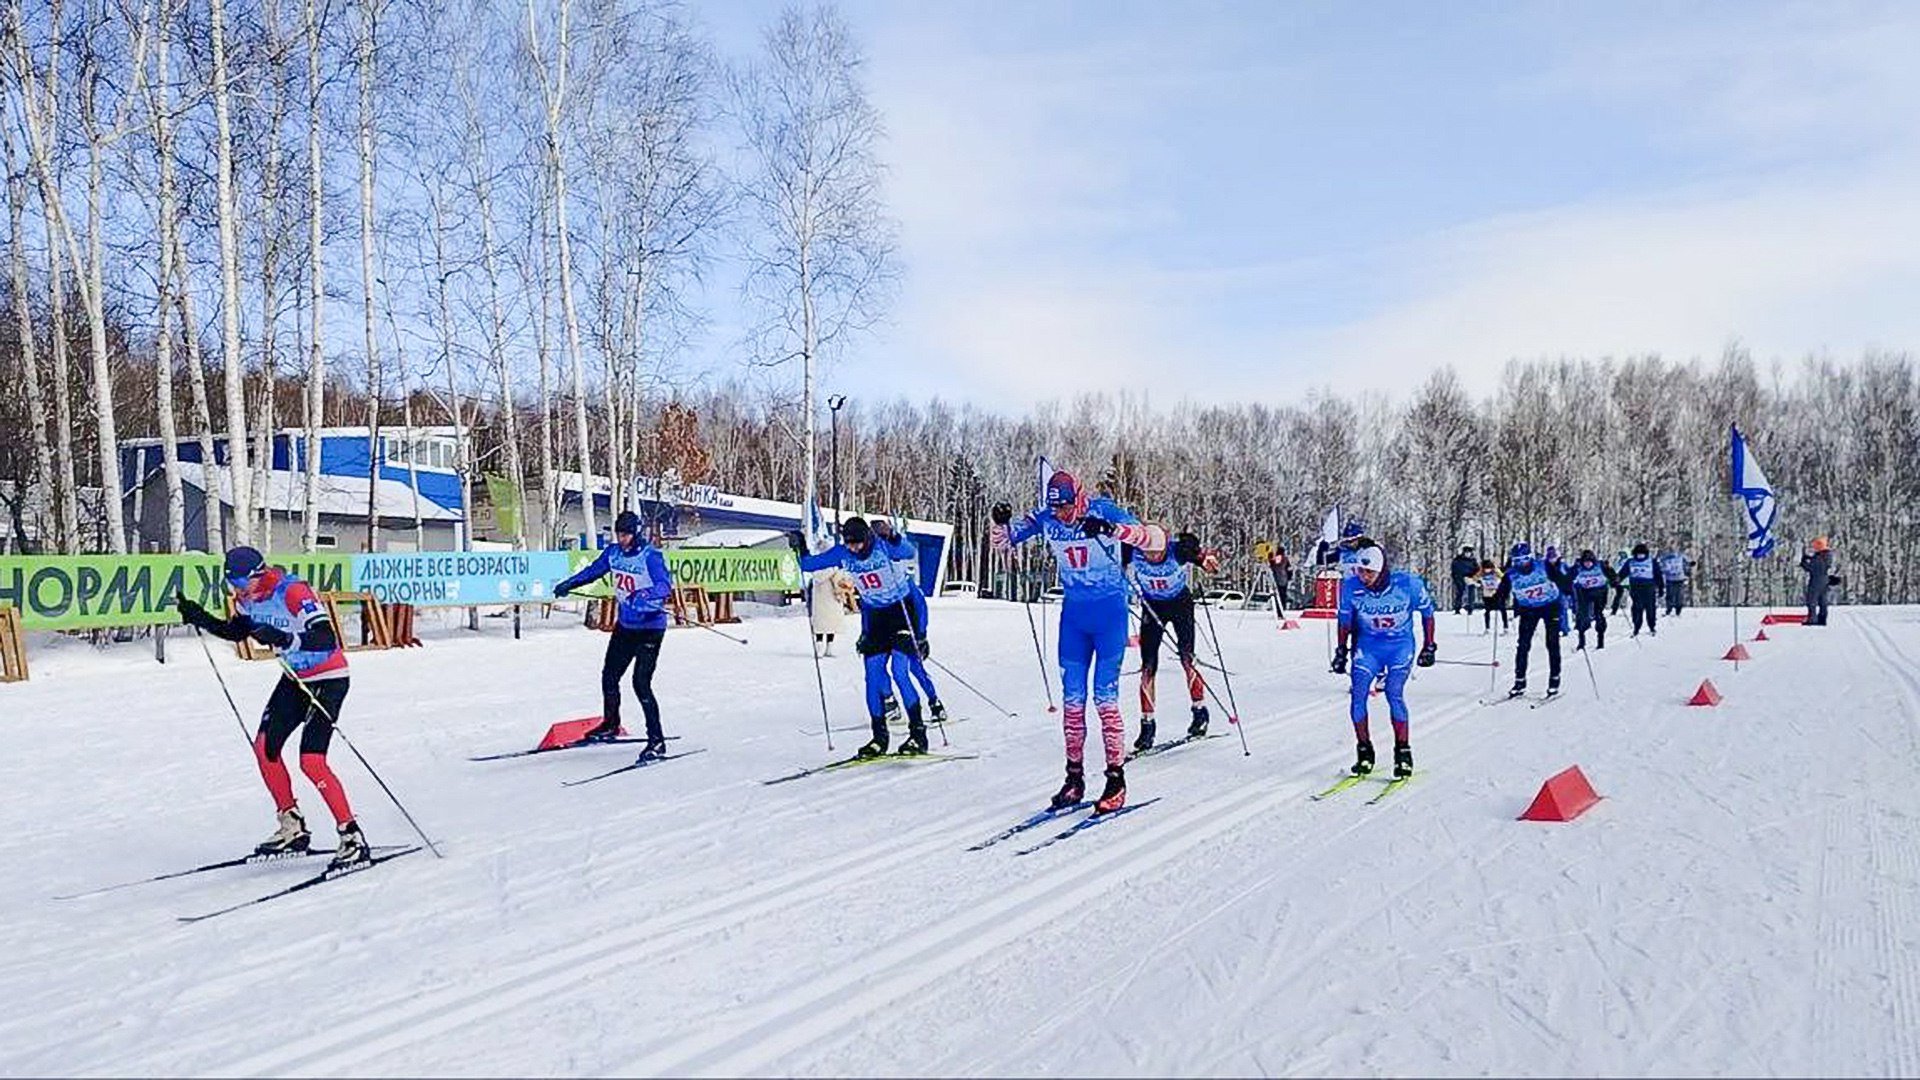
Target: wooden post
13, 646
374, 632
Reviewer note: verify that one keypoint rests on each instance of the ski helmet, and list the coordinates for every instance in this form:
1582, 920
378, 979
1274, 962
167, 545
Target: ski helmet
1639, 550
1062, 489
1522, 552
1371, 558
855, 532
243, 564
1353, 529
627, 524
1587, 555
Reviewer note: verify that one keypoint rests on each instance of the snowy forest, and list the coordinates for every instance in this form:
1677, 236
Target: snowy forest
227, 218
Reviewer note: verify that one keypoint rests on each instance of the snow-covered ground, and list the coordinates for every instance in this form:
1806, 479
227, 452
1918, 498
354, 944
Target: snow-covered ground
1743, 901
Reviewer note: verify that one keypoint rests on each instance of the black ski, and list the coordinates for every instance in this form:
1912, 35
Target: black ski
224, 864
1175, 744
1086, 823
581, 745
321, 878
639, 763
1548, 700
880, 759
1032, 822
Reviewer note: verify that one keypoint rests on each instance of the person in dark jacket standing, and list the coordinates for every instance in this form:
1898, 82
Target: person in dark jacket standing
1818, 563
1465, 567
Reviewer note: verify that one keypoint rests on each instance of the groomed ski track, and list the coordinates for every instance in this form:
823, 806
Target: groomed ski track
1741, 902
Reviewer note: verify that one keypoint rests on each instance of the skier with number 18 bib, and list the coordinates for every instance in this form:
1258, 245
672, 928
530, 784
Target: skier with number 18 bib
1376, 616
1088, 538
280, 611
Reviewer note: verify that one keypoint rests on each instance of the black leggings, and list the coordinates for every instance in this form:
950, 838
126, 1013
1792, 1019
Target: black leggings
1487, 608
289, 707
1531, 617
1590, 609
1645, 607
641, 648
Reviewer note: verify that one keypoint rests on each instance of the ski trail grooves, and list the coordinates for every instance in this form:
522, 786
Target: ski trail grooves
1895, 859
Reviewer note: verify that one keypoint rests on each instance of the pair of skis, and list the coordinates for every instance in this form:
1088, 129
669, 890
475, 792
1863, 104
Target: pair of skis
1532, 702
640, 762
1352, 780
858, 761
581, 745
1175, 744
1048, 816
380, 855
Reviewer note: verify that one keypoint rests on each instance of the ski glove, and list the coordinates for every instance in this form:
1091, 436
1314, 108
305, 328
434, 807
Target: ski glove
1339, 666
191, 613
271, 636
1094, 525
1186, 548
1427, 651
560, 591
1001, 513
926, 649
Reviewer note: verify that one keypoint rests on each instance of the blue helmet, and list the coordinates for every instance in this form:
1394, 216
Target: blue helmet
1062, 489
1521, 552
243, 563
1353, 528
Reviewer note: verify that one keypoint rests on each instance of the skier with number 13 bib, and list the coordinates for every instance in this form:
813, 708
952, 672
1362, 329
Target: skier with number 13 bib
1088, 538
1376, 616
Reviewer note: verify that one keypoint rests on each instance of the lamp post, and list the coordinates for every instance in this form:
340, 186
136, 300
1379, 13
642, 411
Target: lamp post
834, 404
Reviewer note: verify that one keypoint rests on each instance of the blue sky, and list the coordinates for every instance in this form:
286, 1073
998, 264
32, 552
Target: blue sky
1224, 201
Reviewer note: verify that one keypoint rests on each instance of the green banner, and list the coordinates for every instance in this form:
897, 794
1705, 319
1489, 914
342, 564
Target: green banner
504, 493
86, 592
720, 570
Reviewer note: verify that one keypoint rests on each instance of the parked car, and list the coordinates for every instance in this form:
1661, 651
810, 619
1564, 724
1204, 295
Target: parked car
960, 588
1224, 599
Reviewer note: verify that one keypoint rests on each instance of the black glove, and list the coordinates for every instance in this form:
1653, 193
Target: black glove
1339, 666
1001, 513
1425, 658
1096, 526
271, 636
1186, 548
926, 649
560, 591
797, 541
191, 613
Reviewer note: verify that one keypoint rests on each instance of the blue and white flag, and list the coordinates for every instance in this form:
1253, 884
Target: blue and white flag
1330, 527
819, 536
1751, 484
1045, 470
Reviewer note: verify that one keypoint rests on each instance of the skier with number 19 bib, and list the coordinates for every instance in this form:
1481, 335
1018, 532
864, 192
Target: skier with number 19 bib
1088, 538
1376, 616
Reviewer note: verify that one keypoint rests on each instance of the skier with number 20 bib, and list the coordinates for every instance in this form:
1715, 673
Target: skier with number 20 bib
1088, 538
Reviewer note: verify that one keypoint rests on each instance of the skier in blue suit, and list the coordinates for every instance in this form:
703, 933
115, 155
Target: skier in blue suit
641, 585
1088, 538
917, 600
1377, 609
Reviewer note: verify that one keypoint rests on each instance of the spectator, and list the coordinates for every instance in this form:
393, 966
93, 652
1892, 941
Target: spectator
1465, 566
1818, 563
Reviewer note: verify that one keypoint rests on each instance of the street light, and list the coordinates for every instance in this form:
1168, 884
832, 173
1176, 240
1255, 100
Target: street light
834, 404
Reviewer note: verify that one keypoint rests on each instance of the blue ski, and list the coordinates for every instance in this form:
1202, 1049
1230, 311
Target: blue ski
1086, 823
1033, 822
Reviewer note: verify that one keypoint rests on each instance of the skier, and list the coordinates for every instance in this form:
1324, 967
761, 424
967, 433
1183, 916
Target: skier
1817, 561
917, 600
1536, 600
1673, 568
1281, 567
889, 633
1557, 569
1592, 580
1463, 569
1619, 579
1166, 602
1489, 582
280, 611
1642, 575
1088, 538
641, 586
1377, 617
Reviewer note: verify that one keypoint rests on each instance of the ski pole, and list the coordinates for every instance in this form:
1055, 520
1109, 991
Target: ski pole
217, 677
1039, 656
950, 673
364, 763
906, 612
819, 680
1588, 657
722, 633
1470, 663
1233, 715
1228, 681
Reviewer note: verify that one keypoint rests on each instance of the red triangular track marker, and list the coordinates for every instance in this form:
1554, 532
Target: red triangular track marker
568, 732
1738, 652
1565, 796
1708, 694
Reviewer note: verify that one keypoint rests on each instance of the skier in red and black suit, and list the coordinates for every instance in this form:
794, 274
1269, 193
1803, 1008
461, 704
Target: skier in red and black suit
280, 611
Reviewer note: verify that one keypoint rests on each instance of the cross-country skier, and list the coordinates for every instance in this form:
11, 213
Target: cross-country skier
1619, 579
1536, 600
1166, 603
1376, 616
889, 631
1489, 581
641, 586
1088, 538
280, 611
1592, 581
917, 600
1673, 570
1643, 578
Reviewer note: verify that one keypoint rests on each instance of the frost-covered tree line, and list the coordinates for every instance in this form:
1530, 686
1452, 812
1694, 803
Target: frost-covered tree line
230, 217
226, 217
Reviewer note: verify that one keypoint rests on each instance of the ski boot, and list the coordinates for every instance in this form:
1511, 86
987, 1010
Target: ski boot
1145, 742
1581, 646
1198, 729
606, 730
1073, 790
1362, 758
936, 712
1402, 761
878, 745
1553, 686
290, 839
916, 740
1115, 795
352, 852
890, 708
656, 747
1519, 688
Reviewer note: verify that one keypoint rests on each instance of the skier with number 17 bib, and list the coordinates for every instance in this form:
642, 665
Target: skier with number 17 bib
1088, 538
1377, 609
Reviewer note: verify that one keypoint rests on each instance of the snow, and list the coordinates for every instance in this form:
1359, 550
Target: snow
335, 494
1742, 901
